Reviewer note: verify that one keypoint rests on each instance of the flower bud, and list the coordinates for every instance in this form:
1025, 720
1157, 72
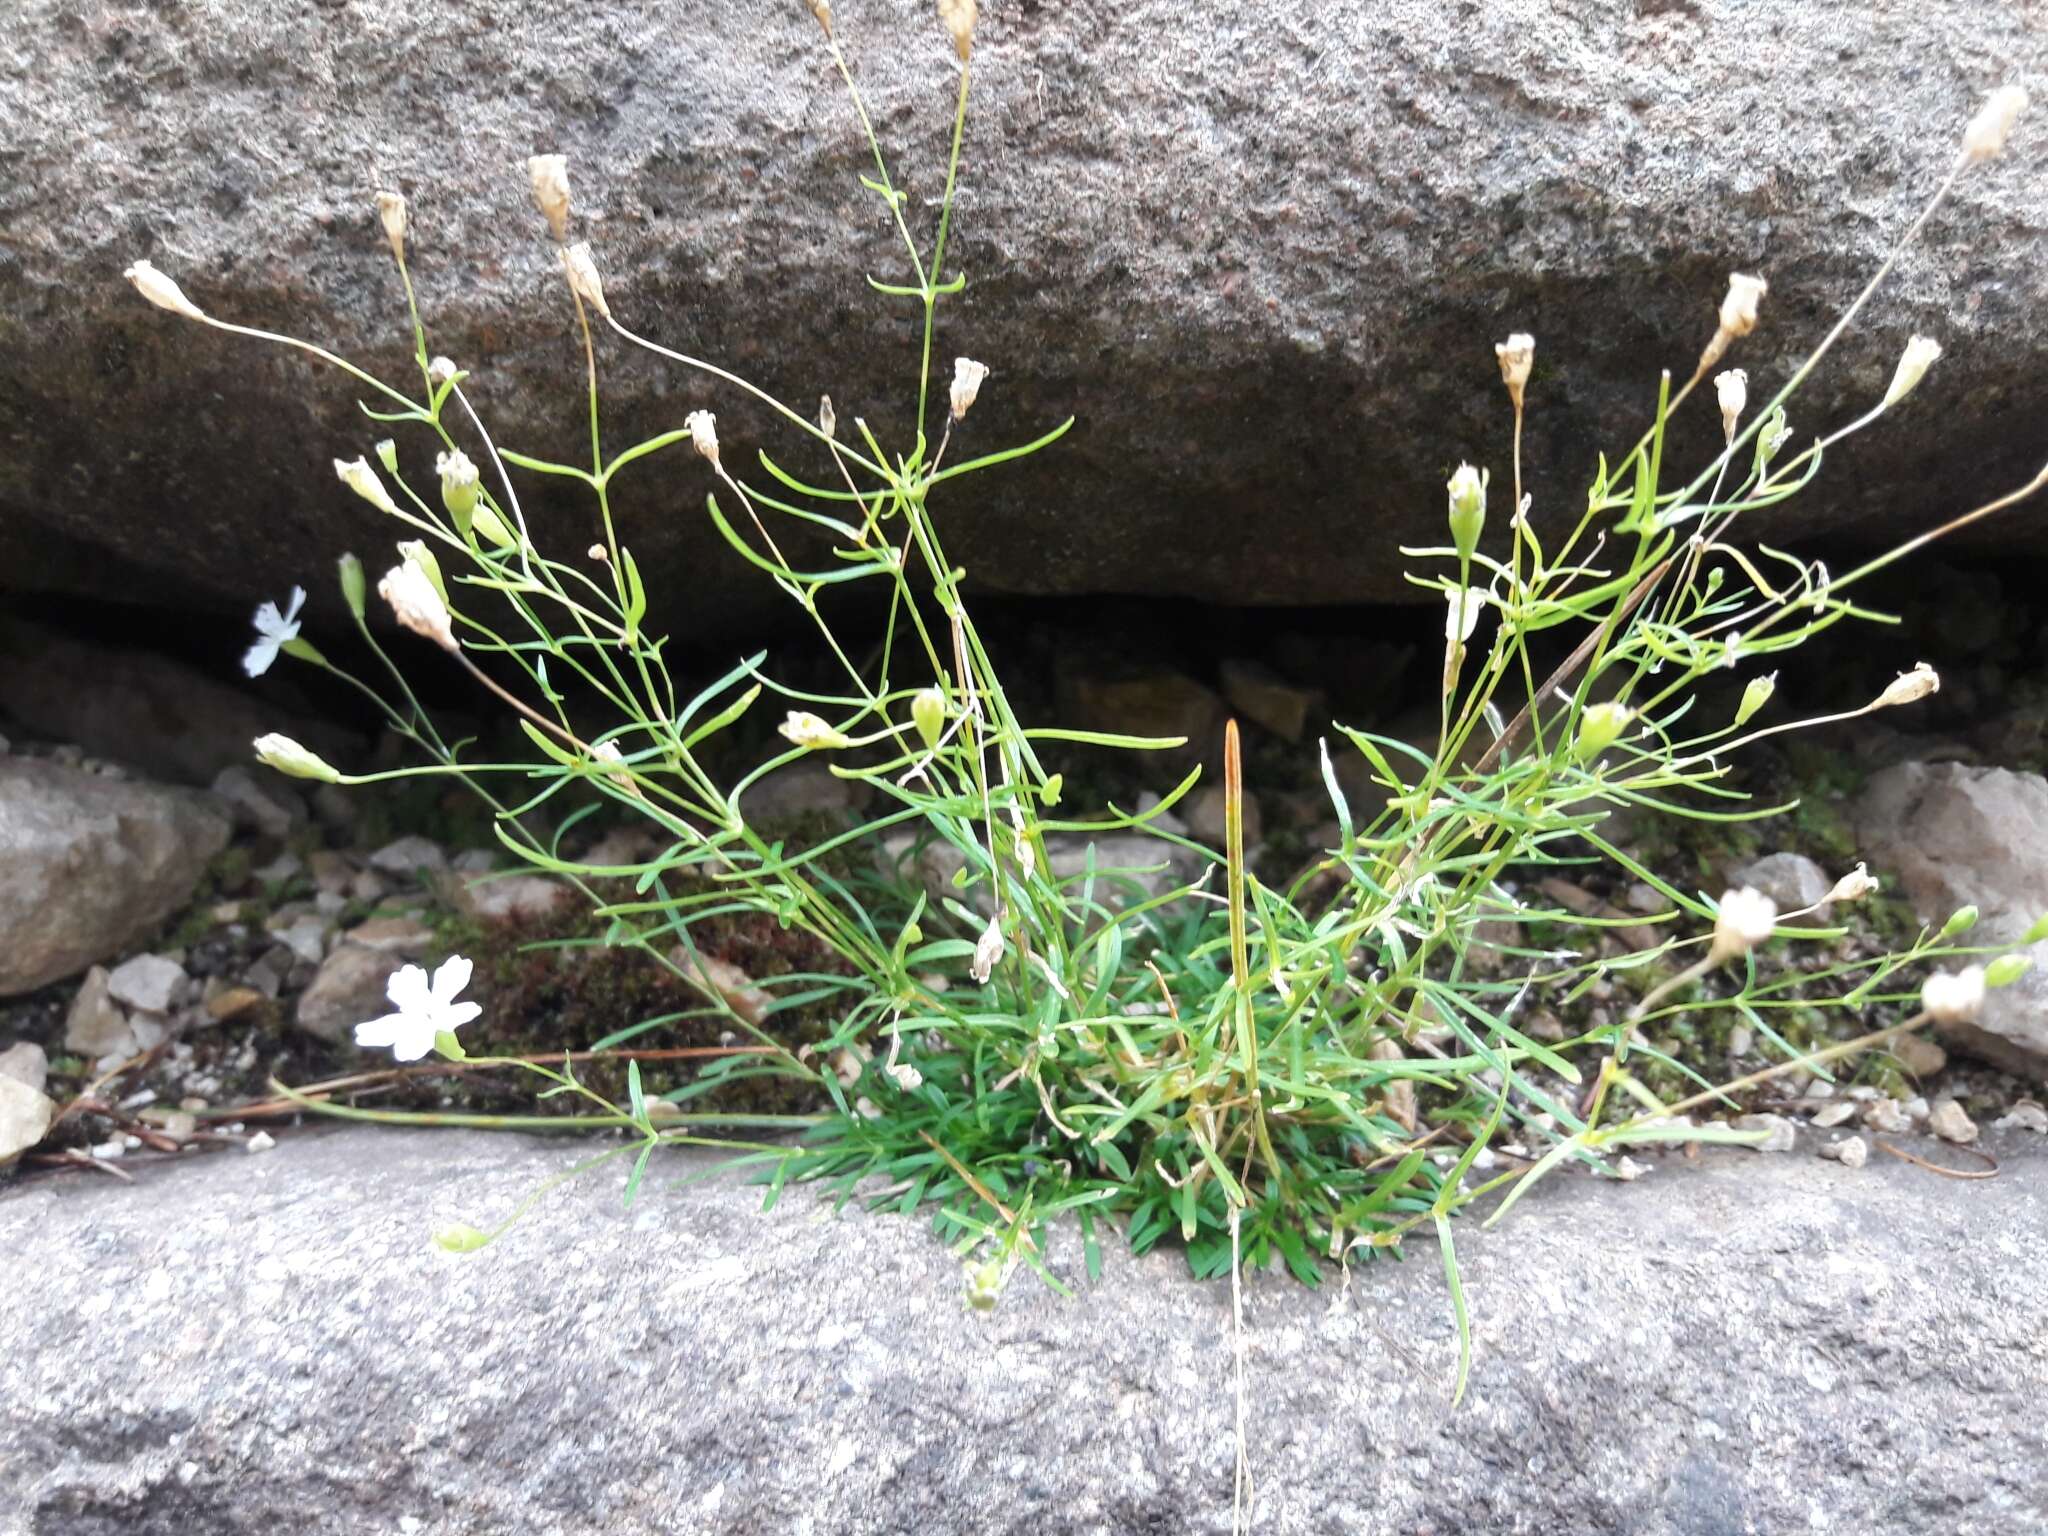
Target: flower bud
387, 455
1960, 922
2038, 932
486, 522
1738, 309
391, 209
988, 951
905, 1076
958, 15
928, 714
1744, 920
1853, 886
460, 1237
357, 475
1920, 355
1953, 997
598, 553
459, 484
441, 370
415, 552
1756, 696
822, 9
548, 175
351, 570
1733, 389
828, 420
1600, 727
583, 277
161, 291
1467, 490
288, 757
608, 753
2006, 970
1985, 136
417, 604
703, 429
967, 373
1908, 687
1516, 356
805, 729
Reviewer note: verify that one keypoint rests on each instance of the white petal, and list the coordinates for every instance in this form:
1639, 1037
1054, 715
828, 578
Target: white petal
257, 659
294, 604
379, 1033
268, 620
414, 1040
408, 990
459, 1014
451, 978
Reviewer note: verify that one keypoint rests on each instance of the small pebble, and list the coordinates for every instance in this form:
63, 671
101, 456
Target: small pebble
1850, 1151
107, 1151
2025, 1115
1740, 1039
1819, 1088
1834, 1114
1948, 1121
1629, 1170
1780, 1134
1916, 1109
262, 1141
1919, 1055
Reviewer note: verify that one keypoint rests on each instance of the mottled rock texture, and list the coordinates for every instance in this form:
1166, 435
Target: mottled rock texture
266, 1343
1259, 252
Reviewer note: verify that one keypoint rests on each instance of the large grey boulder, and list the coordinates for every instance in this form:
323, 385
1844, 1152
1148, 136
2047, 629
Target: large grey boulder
90, 865
1758, 1345
1260, 252
1956, 836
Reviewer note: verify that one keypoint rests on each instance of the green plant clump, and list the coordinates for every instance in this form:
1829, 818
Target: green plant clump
1022, 1027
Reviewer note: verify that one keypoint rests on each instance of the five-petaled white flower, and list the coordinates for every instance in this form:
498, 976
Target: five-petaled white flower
425, 1008
273, 631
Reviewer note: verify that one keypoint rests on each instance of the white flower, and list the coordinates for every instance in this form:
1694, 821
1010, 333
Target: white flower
288, 757
459, 482
273, 629
1733, 389
424, 1010
416, 604
703, 429
906, 1077
805, 729
1954, 997
967, 377
583, 277
988, 949
1462, 611
1920, 355
608, 753
1985, 136
1909, 687
161, 291
357, 475
1738, 309
1853, 886
1744, 920
441, 371
549, 177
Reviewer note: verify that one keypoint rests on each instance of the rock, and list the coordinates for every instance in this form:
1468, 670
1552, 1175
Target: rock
722, 979
403, 935
1206, 812
1850, 1151
1356, 266
25, 1062
280, 871
91, 866
1158, 702
335, 806
1265, 698
410, 855
234, 1003
1740, 1039
174, 721
347, 990
96, 1027
1830, 1115
331, 871
304, 935
296, 1313
1958, 836
804, 788
1780, 1134
1918, 1055
1948, 1121
500, 898
148, 982
2025, 1115
1889, 1117
260, 804
25, 1116
1792, 880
